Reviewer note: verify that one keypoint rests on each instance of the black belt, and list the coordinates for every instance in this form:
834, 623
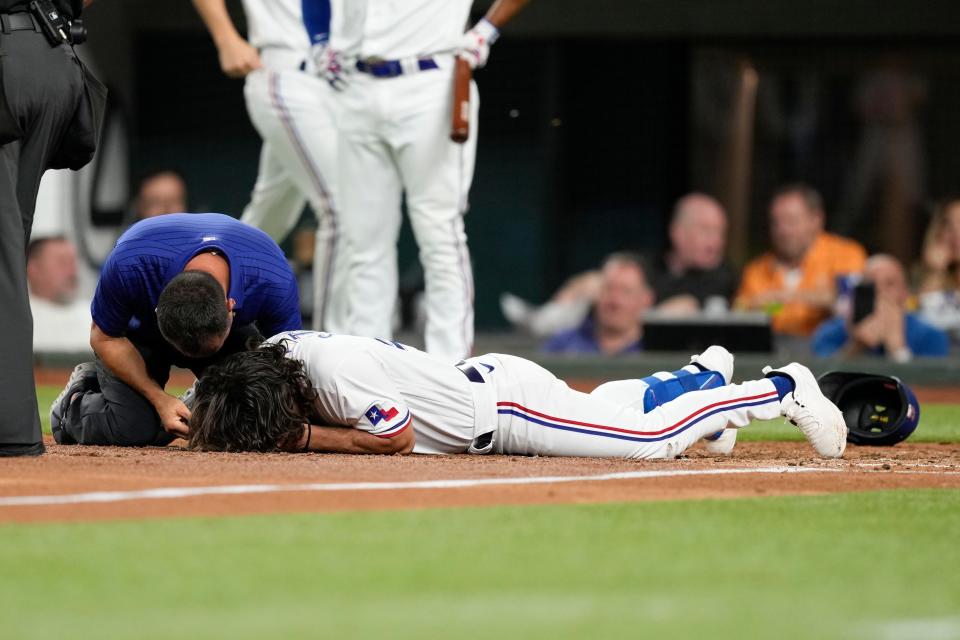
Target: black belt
20, 21
470, 371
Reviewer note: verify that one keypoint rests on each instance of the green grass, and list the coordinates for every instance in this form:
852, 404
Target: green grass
839, 566
938, 423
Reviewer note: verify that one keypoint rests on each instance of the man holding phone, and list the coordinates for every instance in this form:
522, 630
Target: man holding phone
879, 322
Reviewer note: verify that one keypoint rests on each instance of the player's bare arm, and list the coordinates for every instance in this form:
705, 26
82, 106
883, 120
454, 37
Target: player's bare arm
326, 439
237, 57
123, 359
503, 11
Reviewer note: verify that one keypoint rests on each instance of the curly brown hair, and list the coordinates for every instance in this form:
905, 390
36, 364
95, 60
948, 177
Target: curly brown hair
255, 400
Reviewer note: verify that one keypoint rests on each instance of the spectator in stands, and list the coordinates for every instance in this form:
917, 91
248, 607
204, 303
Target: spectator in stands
61, 322
160, 193
690, 275
796, 280
940, 269
889, 329
615, 326
693, 272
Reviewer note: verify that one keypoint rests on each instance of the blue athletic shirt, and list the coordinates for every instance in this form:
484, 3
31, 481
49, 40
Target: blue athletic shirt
153, 251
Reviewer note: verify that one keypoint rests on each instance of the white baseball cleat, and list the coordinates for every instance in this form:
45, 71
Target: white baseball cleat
718, 359
721, 443
820, 421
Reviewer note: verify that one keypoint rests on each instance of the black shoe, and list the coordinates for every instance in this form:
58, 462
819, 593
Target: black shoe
12, 450
83, 378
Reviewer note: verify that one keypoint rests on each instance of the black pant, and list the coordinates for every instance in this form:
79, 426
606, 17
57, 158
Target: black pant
117, 414
43, 86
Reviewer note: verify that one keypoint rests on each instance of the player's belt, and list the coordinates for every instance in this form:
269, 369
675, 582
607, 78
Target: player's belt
392, 68
471, 372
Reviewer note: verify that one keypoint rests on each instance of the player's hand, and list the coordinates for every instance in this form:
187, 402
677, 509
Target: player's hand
238, 58
328, 64
173, 416
475, 44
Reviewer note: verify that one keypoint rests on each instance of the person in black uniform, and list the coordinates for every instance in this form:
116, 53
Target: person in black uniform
50, 113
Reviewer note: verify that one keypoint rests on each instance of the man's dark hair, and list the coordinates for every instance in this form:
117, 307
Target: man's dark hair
192, 312
253, 401
810, 196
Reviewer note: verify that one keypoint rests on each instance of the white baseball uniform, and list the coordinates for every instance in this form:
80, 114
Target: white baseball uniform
504, 404
395, 141
294, 113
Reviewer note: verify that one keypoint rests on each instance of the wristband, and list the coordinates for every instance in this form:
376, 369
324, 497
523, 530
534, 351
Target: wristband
487, 30
306, 446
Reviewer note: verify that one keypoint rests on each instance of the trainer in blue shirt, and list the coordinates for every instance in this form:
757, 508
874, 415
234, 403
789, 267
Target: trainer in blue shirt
180, 289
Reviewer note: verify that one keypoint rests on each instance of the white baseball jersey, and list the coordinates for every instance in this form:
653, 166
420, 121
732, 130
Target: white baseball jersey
276, 23
294, 113
392, 29
384, 388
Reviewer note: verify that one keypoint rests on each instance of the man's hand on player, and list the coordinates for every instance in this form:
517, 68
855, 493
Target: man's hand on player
238, 58
328, 64
173, 415
475, 44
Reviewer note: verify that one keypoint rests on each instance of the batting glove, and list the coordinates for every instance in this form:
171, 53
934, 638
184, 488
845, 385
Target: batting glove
328, 64
475, 44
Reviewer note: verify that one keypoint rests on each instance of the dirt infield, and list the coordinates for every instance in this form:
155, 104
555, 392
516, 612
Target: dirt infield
86, 483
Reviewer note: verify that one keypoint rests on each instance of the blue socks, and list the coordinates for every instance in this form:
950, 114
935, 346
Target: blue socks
784, 384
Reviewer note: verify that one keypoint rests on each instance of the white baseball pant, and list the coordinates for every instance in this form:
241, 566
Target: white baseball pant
395, 140
538, 414
294, 113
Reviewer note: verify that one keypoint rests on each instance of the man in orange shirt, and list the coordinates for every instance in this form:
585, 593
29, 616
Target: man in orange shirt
796, 281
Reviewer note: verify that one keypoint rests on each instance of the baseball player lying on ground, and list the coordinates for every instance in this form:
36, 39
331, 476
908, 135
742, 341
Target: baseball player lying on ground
312, 391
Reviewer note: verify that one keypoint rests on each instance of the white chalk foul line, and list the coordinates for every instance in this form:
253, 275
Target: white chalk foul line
167, 493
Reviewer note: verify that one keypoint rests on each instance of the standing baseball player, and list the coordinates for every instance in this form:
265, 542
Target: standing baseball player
374, 396
394, 64
293, 111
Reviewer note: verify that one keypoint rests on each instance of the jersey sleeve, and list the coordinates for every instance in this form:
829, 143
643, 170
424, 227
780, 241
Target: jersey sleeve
112, 307
368, 400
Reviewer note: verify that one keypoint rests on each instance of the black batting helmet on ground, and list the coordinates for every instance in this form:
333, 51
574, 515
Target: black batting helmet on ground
879, 410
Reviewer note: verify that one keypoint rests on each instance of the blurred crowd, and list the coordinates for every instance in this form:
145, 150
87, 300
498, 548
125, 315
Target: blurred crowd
820, 291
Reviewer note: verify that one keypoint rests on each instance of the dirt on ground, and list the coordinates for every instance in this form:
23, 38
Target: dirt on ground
265, 483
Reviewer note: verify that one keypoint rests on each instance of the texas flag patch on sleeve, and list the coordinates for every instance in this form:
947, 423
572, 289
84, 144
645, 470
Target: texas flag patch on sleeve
386, 420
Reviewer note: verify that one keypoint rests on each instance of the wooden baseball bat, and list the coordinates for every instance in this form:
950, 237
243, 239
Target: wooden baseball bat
460, 122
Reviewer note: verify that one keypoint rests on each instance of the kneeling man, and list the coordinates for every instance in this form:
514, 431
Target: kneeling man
310, 391
179, 289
